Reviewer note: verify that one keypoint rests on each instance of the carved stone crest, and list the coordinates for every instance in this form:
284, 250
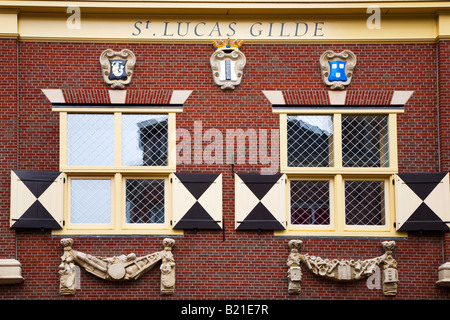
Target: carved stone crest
117, 67
227, 63
337, 68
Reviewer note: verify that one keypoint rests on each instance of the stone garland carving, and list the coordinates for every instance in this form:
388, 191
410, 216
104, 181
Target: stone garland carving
342, 270
121, 268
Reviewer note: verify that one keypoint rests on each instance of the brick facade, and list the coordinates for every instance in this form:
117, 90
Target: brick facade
210, 264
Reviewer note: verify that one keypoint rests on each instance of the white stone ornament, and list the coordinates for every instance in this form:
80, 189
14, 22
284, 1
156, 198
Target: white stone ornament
227, 63
117, 67
342, 270
337, 68
117, 268
444, 275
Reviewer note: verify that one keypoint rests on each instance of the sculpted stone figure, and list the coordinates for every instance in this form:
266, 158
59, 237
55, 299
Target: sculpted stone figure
67, 269
342, 270
168, 268
117, 268
390, 274
294, 273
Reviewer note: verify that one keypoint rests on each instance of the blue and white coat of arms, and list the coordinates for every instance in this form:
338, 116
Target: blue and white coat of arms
117, 67
337, 68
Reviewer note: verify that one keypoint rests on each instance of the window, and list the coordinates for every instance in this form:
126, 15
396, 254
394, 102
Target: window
144, 200
310, 202
149, 132
310, 141
365, 141
340, 164
90, 201
90, 139
364, 203
117, 163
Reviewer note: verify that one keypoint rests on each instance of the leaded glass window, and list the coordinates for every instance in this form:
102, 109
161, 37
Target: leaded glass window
90, 201
117, 163
90, 139
365, 141
144, 200
310, 202
144, 140
310, 141
364, 203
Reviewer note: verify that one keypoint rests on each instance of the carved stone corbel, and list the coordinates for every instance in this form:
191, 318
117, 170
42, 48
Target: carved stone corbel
342, 270
117, 268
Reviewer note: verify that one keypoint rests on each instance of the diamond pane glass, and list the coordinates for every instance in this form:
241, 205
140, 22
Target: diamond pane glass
144, 140
90, 139
90, 201
145, 201
364, 203
365, 141
310, 141
310, 202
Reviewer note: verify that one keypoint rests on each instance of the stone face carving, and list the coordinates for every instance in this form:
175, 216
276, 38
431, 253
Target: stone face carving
342, 270
227, 63
117, 67
117, 268
337, 68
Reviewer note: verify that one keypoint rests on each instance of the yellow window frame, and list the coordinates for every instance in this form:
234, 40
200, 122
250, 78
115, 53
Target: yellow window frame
118, 173
338, 174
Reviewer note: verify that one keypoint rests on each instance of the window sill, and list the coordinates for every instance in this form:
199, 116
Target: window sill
114, 169
343, 234
114, 232
335, 170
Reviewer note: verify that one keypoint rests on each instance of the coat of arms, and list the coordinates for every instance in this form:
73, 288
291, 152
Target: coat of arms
117, 67
337, 68
227, 63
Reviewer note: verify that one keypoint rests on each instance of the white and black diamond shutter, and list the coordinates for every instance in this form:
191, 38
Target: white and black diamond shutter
197, 201
422, 201
260, 201
36, 199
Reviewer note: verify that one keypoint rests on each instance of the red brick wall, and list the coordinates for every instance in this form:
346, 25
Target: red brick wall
245, 265
8, 142
444, 115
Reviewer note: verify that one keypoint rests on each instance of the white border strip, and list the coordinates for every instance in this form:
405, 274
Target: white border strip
54, 95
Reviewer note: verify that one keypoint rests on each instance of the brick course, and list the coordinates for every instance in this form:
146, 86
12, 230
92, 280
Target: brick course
245, 265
